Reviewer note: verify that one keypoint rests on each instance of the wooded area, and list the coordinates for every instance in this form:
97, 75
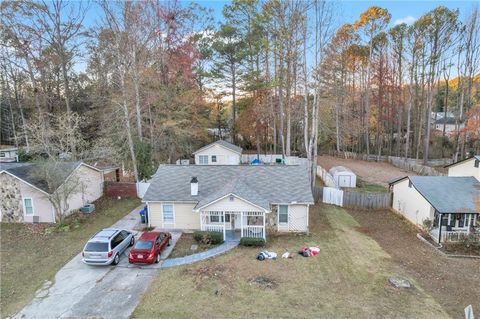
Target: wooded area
152, 81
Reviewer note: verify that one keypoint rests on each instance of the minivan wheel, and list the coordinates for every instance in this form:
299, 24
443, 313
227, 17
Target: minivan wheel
116, 259
132, 241
157, 260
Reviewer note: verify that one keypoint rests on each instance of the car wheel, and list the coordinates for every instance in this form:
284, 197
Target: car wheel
157, 260
116, 260
132, 241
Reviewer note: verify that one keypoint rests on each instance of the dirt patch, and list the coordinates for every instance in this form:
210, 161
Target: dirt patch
264, 282
453, 282
372, 172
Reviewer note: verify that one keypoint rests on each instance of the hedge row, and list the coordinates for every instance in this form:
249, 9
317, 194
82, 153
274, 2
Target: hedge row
208, 237
253, 242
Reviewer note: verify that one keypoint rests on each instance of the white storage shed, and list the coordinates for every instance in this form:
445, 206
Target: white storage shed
343, 176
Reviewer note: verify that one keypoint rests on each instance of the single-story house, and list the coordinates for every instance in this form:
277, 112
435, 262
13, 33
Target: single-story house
239, 201
449, 123
8, 154
28, 195
466, 167
218, 153
451, 204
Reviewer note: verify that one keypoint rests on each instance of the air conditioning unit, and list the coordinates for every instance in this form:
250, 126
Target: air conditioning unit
87, 208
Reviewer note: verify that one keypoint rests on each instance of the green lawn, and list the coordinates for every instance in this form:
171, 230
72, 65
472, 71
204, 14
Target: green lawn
363, 186
348, 279
29, 256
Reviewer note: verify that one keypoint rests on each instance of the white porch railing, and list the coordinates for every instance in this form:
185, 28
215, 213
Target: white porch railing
253, 231
213, 227
450, 236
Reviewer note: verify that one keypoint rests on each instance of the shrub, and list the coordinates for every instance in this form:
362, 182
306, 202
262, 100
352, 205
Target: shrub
252, 242
427, 224
208, 237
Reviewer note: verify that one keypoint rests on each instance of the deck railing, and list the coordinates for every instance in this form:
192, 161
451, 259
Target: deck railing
253, 231
213, 227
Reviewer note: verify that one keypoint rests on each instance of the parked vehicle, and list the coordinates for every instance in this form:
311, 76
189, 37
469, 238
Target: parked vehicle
106, 246
148, 248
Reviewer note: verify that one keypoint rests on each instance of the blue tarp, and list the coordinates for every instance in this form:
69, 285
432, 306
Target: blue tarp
256, 162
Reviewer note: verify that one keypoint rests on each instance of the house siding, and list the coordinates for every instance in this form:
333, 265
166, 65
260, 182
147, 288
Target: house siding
465, 168
12, 202
411, 204
297, 219
237, 205
184, 216
90, 187
224, 156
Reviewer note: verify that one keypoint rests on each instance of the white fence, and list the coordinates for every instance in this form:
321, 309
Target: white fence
326, 177
142, 189
272, 159
253, 231
333, 196
213, 227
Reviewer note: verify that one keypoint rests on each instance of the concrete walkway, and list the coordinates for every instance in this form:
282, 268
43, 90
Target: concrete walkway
223, 248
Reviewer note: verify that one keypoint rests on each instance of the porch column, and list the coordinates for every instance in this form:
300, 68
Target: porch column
264, 235
201, 220
440, 228
241, 224
224, 233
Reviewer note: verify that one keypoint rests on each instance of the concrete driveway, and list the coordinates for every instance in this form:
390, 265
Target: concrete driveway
83, 291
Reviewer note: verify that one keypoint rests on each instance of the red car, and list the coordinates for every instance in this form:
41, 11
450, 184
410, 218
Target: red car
148, 248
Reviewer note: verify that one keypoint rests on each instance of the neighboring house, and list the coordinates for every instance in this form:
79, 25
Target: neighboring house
218, 153
8, 154
25, 196
449, 123
466, 167
444, 200
438, 115
249, 200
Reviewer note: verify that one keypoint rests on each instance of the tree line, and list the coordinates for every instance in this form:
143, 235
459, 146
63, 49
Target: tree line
151, 81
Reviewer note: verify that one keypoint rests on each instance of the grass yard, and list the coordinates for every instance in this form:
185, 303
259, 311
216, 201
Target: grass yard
29, 256
348, 279
184, 244
364, 186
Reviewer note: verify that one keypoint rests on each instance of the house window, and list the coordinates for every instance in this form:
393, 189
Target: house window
203, 159
214, 219
214, 158
283, 214
2, 154
28, 206
477, 162
168, 213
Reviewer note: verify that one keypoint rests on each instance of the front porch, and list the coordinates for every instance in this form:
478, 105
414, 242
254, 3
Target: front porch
234, 225
453, 227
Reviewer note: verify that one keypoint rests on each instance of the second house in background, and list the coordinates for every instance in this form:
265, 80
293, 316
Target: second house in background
218, 153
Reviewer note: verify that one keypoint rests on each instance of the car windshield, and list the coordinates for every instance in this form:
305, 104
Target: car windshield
143, 244
96, 247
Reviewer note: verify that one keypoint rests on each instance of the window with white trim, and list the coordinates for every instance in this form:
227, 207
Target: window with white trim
214, 218
203, 159
282, 214
214, 158
168, 213
28, 206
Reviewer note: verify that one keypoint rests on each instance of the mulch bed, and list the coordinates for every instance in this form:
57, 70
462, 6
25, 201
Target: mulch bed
453, 282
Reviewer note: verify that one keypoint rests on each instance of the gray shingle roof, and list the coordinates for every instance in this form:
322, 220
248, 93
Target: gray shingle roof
223, 143
29, 172
260, 185
448, 194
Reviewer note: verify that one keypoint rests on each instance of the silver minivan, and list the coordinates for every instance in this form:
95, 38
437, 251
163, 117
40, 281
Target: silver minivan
106, 246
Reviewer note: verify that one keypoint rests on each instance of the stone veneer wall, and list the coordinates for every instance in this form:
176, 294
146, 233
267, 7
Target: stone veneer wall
10, 199
271, 220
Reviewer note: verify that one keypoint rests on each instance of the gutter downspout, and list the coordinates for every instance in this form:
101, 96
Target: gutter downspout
440, 228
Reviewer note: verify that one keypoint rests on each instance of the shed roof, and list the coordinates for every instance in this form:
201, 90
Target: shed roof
341, 169
225, 144
449, 194
477, 157
260, 185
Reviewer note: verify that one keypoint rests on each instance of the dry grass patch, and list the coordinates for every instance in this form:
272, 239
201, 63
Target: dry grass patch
184, 245
29, 256
347, 279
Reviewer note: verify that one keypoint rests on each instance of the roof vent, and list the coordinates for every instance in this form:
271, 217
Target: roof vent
194, 186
